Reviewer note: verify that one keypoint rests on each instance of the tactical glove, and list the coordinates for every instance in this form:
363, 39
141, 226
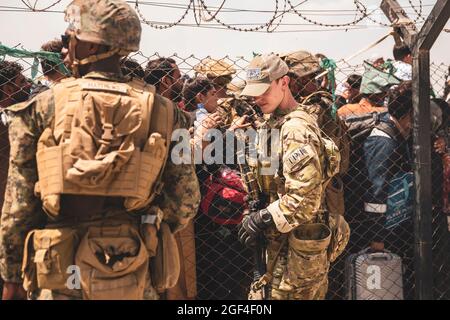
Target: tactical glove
253, 225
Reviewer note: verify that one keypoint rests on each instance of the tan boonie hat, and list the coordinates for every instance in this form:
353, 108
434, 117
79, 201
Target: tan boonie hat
261, 72
213, 68
301, 62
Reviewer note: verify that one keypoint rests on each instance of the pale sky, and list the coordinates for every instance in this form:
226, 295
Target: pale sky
31, 29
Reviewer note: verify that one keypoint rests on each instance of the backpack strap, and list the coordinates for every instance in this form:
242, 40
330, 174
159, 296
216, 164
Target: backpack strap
67, 100
165, 111
318, 94
147, 98
389, 130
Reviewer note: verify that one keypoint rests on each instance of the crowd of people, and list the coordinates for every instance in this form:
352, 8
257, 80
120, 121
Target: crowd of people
344, 153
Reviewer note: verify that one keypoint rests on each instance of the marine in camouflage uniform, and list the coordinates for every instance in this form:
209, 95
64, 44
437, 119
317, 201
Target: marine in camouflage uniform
300, 242
93, 21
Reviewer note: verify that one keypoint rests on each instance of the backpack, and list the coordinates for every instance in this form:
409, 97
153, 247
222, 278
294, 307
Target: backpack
107, 139
446, 186
224, 199
400, 188
359, 127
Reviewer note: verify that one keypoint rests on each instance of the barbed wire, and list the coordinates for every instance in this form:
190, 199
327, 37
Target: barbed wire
204, 13
243, 29
33, 7
160, 27
215, 14
419, 13
358, 6
281, 19
354, 22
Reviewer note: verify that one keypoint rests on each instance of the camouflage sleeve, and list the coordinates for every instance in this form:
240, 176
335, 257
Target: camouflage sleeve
182, 119
302, 171
180, 197
20, 213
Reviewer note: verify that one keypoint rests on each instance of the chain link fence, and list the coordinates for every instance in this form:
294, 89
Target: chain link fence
215, 265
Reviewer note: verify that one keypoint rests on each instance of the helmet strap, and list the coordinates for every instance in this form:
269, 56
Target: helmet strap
73, 55
76, 63
98, 57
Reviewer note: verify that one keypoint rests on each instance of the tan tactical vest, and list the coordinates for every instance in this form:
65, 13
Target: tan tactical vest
108, 139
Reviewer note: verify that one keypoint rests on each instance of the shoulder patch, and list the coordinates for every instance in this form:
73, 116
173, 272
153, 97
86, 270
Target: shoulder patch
104, 86
298, 158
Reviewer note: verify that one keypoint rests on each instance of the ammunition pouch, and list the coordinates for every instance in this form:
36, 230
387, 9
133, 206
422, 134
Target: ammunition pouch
307, 260
113, 263
165, 266
48, 255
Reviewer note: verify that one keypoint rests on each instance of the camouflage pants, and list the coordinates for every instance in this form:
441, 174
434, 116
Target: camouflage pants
300, 271
305, 280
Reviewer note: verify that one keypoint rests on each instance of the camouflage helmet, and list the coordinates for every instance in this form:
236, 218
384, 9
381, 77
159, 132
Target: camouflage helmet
108, 22
301, 63
213, 68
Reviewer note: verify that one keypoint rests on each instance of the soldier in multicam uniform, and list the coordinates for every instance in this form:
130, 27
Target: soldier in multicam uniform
303, 69
108, 237
300, 242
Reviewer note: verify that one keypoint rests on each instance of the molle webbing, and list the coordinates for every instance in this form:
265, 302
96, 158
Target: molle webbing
138, 179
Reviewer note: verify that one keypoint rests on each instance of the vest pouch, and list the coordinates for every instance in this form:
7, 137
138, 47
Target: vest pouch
28, 266
333, 157
307, 261
165, 266
150, 237
53, 253
334, 196
113, 263
340, 235
153, 157
135, 181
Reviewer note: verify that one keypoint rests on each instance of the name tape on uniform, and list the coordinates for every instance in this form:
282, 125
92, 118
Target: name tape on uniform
102, 86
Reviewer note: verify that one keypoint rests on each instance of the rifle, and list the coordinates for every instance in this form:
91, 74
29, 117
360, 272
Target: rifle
256, 201
244, 107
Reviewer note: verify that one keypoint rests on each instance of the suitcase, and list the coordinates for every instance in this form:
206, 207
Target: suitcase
374, 276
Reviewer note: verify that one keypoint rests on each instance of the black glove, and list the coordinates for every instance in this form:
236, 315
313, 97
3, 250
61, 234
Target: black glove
253, 225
